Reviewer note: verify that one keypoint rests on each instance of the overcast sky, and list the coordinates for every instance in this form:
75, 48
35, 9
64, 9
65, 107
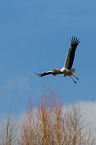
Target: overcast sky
35, 37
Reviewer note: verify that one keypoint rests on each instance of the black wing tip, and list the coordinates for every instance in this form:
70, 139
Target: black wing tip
74, 41
39, 75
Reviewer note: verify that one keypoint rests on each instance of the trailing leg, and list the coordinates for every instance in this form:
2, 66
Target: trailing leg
75, 77
73, 80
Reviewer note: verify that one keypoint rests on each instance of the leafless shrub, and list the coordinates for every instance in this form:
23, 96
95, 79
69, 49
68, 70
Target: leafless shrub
8, 132
49, 125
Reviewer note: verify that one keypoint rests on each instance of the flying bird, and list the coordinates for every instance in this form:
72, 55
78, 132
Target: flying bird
67, 69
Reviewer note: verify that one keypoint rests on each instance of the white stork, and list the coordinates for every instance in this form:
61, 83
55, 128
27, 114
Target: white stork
66, 70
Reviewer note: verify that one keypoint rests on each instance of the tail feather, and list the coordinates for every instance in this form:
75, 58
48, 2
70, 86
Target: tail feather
72, 71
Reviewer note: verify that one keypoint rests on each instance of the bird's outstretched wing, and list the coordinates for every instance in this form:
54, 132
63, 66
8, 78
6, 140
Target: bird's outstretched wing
71, 53
44, 74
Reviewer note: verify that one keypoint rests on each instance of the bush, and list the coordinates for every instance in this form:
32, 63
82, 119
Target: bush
49, 124
8, 132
